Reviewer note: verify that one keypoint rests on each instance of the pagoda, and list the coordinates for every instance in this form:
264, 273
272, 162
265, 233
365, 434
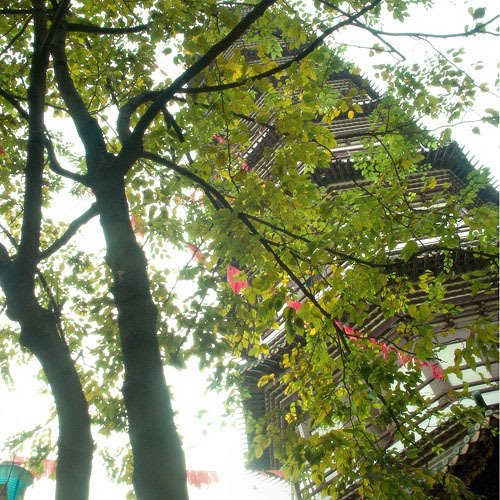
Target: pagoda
470, 453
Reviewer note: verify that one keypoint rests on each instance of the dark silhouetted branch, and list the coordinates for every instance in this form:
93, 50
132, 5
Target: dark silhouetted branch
282, 67
70, 232
104, 30
86, 125
60, 13
29, 245
13, 12
133, 144
128, 109
53, 162
55, 166
18, 35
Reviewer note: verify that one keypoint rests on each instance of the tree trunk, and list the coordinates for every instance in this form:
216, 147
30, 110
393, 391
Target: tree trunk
39, 326
39, 334
159, 466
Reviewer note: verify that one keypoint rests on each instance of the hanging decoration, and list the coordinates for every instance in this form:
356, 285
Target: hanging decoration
385, 348
199, 478
294, 304
237, 285
273, 473
197, 254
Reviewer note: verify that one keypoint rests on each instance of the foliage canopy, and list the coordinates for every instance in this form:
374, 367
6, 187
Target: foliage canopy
167, 156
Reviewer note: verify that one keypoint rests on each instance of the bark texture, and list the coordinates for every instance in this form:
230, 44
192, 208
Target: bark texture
40, 334
39, 326
159, 466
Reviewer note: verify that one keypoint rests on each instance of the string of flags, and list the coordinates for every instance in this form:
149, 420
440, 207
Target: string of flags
196, 478
199, 478
354, 335
358, 337
237, 285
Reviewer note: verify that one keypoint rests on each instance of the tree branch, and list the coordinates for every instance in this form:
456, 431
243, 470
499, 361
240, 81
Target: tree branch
61, 12
70, 232
55, 166
105, 30
88, 129
282, 67
53, 162
213, 193
247, 118
223, 203
128, 109
133, 144
13, 101
478, 29
458, 68
284, 266
383, 265
363, 26
18, 35
29, 245
18, 98
10, 12
170, 122
10, 236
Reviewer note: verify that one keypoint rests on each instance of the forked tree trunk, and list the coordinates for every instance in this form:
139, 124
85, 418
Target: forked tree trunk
39, 334
159, 466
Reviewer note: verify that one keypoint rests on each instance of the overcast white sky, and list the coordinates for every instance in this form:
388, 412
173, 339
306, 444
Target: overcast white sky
448, 17
209, 444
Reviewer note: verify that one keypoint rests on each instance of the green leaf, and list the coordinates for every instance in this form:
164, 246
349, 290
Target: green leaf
409, 249
479, 13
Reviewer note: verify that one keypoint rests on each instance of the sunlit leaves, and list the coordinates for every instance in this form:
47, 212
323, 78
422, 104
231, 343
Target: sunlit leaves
342, 253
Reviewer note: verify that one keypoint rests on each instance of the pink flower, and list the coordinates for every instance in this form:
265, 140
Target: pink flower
236, 285
294, 304
245, 166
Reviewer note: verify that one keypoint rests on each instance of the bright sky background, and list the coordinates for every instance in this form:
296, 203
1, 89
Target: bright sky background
448, 17
212, 443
